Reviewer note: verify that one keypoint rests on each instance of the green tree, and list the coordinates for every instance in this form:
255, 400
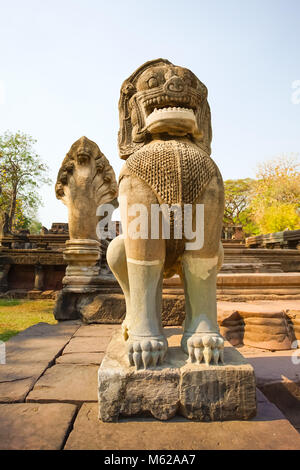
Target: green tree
237, 204
22, 172
275, 200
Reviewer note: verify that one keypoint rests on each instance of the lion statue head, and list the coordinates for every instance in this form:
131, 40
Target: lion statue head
162, 98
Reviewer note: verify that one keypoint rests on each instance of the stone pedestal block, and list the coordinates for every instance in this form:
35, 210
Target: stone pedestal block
82, 280
82, 272
198, 392
92, 305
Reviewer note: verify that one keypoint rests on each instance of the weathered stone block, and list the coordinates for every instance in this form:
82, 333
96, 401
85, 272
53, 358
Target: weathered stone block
109, 307
69, 383
87, 345
198, 392
218, 393
96, 330
28, 355
261, 326
273, 367
88, 358
90, 307
27, 426
102, 308
65, 307
269, 430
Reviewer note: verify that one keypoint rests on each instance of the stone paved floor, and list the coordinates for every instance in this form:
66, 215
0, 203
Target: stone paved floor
48, 399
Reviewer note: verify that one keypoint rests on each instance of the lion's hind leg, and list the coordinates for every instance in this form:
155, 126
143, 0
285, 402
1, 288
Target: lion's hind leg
116, 258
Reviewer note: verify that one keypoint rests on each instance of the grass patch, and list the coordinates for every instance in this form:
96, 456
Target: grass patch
9, 302
16, 315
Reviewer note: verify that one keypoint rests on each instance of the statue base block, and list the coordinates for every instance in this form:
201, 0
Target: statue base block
101, 304
195, 391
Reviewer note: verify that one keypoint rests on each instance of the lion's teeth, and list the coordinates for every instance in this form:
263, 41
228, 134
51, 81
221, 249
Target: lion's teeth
170, 109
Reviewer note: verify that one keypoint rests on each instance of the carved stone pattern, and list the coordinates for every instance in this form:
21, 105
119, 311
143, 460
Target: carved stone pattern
28, 259
177, 172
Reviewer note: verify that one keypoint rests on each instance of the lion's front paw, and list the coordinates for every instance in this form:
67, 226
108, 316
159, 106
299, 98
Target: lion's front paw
207, 347
147, 352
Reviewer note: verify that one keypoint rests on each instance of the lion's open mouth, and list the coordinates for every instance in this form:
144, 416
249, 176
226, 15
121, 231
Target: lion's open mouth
165, 101
171, 116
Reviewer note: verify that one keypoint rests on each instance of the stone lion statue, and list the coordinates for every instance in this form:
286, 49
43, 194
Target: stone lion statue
165, 136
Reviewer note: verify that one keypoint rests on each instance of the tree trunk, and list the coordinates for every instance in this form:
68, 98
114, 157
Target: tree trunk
12, 209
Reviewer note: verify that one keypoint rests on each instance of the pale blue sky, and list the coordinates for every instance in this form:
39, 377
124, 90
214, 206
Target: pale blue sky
63, 61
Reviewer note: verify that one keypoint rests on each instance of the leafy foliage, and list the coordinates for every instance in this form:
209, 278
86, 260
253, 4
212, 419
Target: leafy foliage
275, 200
237, 204
270, 203
21, 174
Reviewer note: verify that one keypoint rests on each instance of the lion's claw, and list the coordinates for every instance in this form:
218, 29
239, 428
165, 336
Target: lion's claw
147, 352
207, 347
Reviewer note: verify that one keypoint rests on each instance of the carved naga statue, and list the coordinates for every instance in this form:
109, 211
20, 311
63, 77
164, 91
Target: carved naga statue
165, 136
85, 181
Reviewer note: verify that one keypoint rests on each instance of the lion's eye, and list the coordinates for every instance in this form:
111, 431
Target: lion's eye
188, 80
152, 82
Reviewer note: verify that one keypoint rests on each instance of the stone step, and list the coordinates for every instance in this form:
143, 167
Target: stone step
269, 430
49, 425
27, 426
29, 354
